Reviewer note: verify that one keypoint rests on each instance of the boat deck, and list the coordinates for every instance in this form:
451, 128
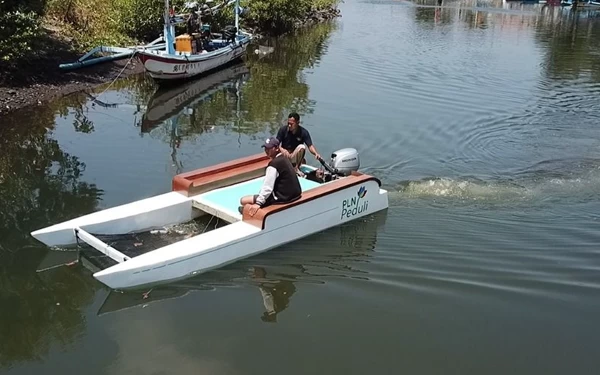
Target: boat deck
138, 243
224, 202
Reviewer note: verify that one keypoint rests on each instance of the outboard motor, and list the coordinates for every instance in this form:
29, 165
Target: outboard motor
229, 33
343, 163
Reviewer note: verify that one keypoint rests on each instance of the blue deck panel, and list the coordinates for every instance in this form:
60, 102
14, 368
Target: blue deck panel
228, 198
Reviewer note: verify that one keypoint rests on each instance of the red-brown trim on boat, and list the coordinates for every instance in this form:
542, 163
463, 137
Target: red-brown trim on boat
150, 56
260, 217
220, 175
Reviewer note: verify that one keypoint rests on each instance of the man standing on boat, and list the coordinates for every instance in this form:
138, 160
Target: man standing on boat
281, 185
294, 141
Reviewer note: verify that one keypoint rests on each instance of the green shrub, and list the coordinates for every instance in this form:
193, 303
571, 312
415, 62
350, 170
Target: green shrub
18, 34
276, 15
140, 19
89, 23
36, 6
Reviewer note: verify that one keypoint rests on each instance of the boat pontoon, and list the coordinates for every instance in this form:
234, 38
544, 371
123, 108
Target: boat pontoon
331, 195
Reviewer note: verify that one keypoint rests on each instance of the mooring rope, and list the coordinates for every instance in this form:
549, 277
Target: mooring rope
118, 75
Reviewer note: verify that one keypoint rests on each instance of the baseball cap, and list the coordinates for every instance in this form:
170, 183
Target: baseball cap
270, 143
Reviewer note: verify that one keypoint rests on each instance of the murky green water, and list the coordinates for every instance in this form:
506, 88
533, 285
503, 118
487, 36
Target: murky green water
481, 118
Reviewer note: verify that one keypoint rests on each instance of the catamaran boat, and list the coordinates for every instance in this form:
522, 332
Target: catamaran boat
331, 195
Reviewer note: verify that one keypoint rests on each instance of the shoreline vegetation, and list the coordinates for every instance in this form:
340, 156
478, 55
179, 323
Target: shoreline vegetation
38, 35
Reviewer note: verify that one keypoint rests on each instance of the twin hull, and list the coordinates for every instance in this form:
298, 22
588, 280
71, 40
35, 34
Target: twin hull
218, 247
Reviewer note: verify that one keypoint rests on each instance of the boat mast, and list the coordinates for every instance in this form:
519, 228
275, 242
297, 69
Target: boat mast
168, 29
237, 17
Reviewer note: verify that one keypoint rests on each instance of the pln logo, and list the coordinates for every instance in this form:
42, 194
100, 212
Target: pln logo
355, 205
362, 192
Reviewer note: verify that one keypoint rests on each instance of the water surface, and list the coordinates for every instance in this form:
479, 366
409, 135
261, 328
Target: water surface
480, 118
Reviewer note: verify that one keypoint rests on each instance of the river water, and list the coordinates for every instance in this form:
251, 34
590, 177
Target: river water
480, 118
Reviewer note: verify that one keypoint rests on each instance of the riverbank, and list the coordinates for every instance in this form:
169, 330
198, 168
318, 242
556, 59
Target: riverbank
39, 79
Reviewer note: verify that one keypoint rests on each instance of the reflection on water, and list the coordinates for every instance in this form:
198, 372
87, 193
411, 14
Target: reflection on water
181, 108
42, 184
182, 99
39, 183
243, 96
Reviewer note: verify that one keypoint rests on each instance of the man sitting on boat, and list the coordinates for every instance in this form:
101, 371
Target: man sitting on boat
281, 184
294, 140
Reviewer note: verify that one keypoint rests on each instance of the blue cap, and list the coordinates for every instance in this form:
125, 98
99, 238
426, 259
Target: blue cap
270, 143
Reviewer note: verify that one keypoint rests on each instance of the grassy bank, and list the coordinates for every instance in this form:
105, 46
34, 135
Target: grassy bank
34, 30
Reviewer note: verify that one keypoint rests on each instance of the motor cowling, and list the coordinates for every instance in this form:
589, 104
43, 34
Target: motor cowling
229, 33
345, 161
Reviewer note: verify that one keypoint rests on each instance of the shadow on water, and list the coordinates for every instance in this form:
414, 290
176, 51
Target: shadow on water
278, 274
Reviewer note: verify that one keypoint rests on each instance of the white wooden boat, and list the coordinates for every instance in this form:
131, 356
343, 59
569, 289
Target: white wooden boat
169, 58
581, 4
343, 194
180, 59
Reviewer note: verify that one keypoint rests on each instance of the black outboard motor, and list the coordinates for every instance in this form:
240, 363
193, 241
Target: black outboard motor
343, 163
229, 33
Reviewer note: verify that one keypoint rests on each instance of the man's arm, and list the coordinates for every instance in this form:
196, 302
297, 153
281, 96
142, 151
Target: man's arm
280, 136
281, 133
311, 147
268, 185
313, 151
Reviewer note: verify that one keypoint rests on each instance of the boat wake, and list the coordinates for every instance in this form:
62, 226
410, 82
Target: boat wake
447, 187
546, 181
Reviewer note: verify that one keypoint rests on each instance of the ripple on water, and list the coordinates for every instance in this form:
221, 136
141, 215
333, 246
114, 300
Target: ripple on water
484, 257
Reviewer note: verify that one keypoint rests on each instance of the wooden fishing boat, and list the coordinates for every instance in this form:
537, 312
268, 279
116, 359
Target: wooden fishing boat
590, 4
331, 195
186, 55
169, 58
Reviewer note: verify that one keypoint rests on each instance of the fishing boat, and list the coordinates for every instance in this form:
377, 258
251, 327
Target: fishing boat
589, 4
190, 55
332, 194
169, 58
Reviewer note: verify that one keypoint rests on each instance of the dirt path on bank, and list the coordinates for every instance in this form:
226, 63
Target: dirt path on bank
42, 80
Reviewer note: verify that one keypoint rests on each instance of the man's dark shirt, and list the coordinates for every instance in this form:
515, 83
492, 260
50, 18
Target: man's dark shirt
290, 141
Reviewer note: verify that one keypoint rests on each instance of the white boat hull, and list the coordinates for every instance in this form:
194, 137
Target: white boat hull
162, 66
216, 190
239, 240
155, 212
